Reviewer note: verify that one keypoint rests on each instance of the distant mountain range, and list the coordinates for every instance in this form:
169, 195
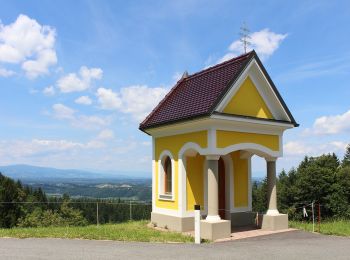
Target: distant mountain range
29, 172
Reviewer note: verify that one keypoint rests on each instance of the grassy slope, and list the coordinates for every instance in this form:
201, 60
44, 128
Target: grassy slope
338, 227
130, 231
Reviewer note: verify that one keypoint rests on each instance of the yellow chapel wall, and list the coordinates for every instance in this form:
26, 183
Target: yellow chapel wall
195, 181
227, 138
174, 144
240, 180
248, 102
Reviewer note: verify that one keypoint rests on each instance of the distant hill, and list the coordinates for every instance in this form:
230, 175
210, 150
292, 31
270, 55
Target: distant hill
29, 172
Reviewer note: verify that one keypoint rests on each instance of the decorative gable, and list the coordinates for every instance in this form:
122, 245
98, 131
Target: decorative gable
254, 95
248, 102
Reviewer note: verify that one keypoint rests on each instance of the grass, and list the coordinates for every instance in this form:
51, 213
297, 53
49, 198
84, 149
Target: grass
336, 227
129, 231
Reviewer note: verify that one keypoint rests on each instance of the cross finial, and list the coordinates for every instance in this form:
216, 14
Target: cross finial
244, 33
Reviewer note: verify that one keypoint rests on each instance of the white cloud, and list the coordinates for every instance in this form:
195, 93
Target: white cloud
299, 148
83, 100
334, 124
136, 100
106, 134
28, 43
74, 82
264, 42
108, 99
49, 91
63, 112
90, 122
140, 100
6, 73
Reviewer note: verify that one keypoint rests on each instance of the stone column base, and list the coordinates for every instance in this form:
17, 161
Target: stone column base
273, 222
215, 230
172, 223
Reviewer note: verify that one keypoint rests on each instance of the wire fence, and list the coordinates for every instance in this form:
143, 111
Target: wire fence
95, 212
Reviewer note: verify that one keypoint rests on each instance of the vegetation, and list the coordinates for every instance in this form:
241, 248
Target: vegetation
335, 227
128, 231
24, 206
323, 180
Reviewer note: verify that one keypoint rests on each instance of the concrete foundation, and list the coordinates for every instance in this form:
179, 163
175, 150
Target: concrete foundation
215, 230
273, 222
172, 223
240, 219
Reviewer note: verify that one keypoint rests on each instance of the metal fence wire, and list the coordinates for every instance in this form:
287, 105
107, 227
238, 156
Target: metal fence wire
95, 212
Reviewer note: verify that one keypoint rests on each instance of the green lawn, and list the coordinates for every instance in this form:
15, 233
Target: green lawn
337, 227
129, 231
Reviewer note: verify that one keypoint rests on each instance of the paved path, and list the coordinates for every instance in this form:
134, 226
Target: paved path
289, 245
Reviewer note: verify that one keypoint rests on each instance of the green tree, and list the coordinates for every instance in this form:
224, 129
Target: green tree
346, 159
259, 196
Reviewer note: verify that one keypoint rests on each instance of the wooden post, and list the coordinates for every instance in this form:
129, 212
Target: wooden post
97, 222
319, 217
130, 211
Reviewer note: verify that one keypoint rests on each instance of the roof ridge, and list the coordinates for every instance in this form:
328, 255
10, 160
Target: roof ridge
216, 66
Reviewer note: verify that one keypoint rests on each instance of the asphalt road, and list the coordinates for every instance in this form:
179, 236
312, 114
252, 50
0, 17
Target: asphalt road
289, 245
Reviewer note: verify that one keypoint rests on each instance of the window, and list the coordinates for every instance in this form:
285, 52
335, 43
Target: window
168, 176
166, 179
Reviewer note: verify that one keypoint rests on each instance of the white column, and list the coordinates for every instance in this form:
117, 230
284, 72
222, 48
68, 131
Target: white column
271, 188
213, 188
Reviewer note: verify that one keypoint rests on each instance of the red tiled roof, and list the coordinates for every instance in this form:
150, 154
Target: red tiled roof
195, 95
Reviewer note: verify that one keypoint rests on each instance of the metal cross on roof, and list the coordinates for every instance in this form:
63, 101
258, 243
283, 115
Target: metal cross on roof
244, 33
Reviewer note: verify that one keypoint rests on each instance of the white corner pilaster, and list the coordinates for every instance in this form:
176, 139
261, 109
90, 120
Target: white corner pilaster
271, 187
213, 188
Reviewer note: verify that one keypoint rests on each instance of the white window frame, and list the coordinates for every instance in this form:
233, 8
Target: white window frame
161, 175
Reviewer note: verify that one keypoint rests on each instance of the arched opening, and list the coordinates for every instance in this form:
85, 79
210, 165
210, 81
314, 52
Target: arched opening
193, 163
167, 176
222, 188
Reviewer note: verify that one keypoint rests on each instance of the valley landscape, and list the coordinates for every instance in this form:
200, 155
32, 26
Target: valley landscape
82, 184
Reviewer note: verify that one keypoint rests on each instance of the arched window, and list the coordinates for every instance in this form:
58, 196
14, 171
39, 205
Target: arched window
167, 176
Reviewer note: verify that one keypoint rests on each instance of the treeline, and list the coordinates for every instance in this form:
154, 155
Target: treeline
23, 206
324, 180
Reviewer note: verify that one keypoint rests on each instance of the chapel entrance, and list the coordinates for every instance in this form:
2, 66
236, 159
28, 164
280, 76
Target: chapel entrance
222, 192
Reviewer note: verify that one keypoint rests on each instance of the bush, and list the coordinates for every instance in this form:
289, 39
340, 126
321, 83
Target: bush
66, 216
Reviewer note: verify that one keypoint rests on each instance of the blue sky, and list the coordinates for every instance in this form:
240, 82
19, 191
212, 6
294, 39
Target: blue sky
76, 77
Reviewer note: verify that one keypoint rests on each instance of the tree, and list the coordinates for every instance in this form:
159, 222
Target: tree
315, 179
259, 196
346, 159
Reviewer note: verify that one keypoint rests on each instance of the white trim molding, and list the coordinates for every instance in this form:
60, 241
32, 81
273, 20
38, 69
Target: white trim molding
153, 174
257, 149
188, 149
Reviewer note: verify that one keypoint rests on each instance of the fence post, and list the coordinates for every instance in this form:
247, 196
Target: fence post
319, 218
197, 224
130, 211
97, 222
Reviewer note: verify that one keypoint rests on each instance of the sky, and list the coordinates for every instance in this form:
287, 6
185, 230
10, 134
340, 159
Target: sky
77, 77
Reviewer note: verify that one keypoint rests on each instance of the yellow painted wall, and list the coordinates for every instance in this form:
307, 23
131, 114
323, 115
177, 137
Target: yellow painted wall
248, 102
174, 144
195, 181
227, 138
240, 180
